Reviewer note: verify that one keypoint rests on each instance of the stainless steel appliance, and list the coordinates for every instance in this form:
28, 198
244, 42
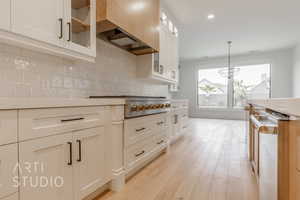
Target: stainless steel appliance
265, 152
138, 106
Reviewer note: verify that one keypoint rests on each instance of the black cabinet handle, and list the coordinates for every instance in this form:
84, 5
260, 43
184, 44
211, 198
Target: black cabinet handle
61, 28
139, 154
160, 142
70, 120
69, 26
71, 153
79, 149
139, 130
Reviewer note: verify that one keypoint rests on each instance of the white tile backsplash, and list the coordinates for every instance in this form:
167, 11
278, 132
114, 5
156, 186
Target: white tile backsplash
25, 73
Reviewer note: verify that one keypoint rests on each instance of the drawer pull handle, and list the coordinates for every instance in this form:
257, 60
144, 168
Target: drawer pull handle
79, 149
71, 120
61, 28
139, 130
160, 123
71, 153
160, 142
139, 154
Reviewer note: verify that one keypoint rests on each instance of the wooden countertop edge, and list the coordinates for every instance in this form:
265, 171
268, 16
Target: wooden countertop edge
288, 106
35, 103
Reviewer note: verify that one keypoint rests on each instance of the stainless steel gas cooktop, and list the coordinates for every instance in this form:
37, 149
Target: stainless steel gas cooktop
139, 106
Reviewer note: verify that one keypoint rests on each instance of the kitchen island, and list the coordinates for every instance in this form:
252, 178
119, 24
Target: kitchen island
274, 147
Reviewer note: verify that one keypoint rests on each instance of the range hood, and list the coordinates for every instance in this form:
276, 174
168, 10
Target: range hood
128, 26
125, 41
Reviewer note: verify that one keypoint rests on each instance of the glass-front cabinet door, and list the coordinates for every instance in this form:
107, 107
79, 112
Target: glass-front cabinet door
81, 26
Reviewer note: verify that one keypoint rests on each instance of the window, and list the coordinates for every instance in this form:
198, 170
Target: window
212, 88
251, 82
248, 82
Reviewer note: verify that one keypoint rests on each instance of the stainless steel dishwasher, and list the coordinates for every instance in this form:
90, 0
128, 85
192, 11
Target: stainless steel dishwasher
266, 152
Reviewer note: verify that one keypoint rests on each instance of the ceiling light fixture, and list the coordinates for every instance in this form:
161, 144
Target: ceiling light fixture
211, 16
230, 71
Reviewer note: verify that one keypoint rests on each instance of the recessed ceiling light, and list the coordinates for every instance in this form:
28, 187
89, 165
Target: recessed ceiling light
211, 16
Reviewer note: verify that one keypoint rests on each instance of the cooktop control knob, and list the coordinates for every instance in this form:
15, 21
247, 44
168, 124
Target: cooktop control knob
133, 108
141, 108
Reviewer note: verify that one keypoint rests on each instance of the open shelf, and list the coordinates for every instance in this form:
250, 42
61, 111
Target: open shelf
76, 4
79, 26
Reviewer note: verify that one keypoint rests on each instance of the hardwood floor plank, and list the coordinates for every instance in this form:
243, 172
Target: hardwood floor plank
209, 163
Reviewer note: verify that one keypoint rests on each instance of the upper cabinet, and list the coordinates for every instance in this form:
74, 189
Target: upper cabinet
60, 27
162, 66
81, 26
132, 25
5, 14
40, 20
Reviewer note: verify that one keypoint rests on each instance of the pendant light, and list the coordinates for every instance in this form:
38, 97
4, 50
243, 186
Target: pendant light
230, 71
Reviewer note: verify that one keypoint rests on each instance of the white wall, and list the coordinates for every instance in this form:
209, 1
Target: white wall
25, 73
281, 84
296, 72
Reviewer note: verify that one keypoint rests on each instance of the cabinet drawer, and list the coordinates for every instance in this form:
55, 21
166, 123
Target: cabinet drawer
159, 141
137, 132
8, 127
137, 153
45, 122
139, 129
8, 161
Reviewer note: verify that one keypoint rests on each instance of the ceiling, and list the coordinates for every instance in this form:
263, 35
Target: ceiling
252, 25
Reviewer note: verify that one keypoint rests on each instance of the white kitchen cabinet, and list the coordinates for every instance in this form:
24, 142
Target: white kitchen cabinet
81, 26
53, 159
179, 118
8, 161
164, 50
40, 20
8, 127
5, 15
12, 197
60, 27
92, 168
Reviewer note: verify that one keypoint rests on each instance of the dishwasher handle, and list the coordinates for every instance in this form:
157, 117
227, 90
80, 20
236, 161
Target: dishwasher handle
263, 127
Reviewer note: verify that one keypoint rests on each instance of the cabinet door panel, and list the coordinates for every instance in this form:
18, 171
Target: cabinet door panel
8, 160
80, 28
48, 157
5, 14
91, 169
38, 19
8, 127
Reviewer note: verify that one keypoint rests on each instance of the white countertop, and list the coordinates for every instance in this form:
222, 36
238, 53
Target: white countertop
179, 100
288, 106
27, 103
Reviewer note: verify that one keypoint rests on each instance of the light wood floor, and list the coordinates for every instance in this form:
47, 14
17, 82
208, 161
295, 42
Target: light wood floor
209, 163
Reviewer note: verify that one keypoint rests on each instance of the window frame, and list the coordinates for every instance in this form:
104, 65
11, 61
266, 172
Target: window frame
230, 85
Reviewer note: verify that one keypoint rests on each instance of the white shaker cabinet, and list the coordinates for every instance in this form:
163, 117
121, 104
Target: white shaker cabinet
53, 158
5, 14
40, 20
91, 167
12, 197
8, 161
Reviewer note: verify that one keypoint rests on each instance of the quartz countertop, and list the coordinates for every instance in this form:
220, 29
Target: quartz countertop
29, 103
179, 100
288, 106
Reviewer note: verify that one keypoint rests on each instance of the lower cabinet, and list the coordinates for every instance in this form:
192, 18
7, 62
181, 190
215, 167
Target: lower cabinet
8, 161
12, 197
64, 167
91, 167
43, 161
